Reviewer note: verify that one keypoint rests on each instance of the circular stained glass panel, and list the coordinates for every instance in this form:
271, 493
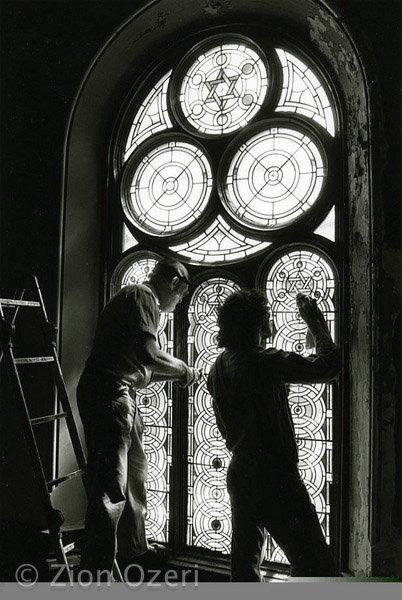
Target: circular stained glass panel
272, 178
223, 86
167, 187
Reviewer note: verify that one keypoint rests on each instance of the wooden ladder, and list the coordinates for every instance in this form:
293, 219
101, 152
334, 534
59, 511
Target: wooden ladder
9, 309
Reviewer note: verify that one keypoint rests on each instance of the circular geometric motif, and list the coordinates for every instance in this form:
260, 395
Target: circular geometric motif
273, 178
138, 272
223, 88
211, 526
302, 270
168, 188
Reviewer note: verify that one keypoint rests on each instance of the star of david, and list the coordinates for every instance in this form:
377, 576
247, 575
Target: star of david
298, 283
212, 307
222, 80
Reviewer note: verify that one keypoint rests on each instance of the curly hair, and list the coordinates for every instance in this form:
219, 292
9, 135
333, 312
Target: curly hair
241, 317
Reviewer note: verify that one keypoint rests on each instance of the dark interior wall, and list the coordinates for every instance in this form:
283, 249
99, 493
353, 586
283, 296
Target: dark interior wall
47, 46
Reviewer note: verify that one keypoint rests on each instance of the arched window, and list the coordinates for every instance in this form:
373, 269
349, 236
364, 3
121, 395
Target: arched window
228, 156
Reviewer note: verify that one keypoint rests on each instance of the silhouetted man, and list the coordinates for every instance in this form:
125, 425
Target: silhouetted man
249, 391
125, 357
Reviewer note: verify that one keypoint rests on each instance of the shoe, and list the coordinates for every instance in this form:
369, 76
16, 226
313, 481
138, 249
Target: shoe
155, 557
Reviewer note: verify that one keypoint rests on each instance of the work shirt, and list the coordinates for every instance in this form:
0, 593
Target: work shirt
250, 397
118, 346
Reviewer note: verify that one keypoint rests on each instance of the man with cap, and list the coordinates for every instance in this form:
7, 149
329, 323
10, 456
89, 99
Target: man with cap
125, 357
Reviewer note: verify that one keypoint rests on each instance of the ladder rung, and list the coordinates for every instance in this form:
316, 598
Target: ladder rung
33, 360
46, 419
72, 475
12, 302
69, 547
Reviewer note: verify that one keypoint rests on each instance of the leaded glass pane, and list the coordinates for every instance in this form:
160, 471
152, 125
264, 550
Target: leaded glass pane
273, 178
308, 271
129, 240
137, 271
209, 517
169, 188
327, 227
303, 93
155, 405
219, 244
152, 116
223, 88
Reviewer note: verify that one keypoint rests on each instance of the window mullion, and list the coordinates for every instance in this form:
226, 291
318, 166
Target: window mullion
179, 475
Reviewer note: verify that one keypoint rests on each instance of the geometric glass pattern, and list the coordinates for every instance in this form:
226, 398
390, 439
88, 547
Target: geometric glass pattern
219, 244
169, 188
209, 516
303, 93
327, 227
273, 178
155, 406
129, 240
151, 117
311, 405
138, 271
223, 88
275, 174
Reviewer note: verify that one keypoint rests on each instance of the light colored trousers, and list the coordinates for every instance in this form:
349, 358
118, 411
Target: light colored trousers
116, 472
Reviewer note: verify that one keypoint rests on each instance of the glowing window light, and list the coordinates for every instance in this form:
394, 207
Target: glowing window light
219, 244
273, 178
327, 227
209, 516
152, 116
223, 88
303, 93
169, 188
129, 240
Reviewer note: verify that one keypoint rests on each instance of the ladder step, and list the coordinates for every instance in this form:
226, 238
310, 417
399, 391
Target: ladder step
48, 418
70, 546
67, 477
12, 302
33, 359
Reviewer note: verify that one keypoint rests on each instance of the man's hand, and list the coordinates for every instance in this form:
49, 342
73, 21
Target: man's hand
191, 376
309, 311
308, 308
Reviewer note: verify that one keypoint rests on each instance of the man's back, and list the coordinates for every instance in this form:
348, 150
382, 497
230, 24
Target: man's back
249, 392
129, 315
251, 406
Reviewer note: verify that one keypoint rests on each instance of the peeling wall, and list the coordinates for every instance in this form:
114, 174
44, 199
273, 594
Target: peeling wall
374, 273
331, 41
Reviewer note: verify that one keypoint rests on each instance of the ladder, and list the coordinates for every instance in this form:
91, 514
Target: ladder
9, 309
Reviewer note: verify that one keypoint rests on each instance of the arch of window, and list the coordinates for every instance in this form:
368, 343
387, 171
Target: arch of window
210, 169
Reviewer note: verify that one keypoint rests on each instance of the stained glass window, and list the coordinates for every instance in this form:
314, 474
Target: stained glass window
219, 244
327, 227
169, 186
209, 522
129, 240
273, 178
151, 117
155, 405
223, 87
303, 93
212, 171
